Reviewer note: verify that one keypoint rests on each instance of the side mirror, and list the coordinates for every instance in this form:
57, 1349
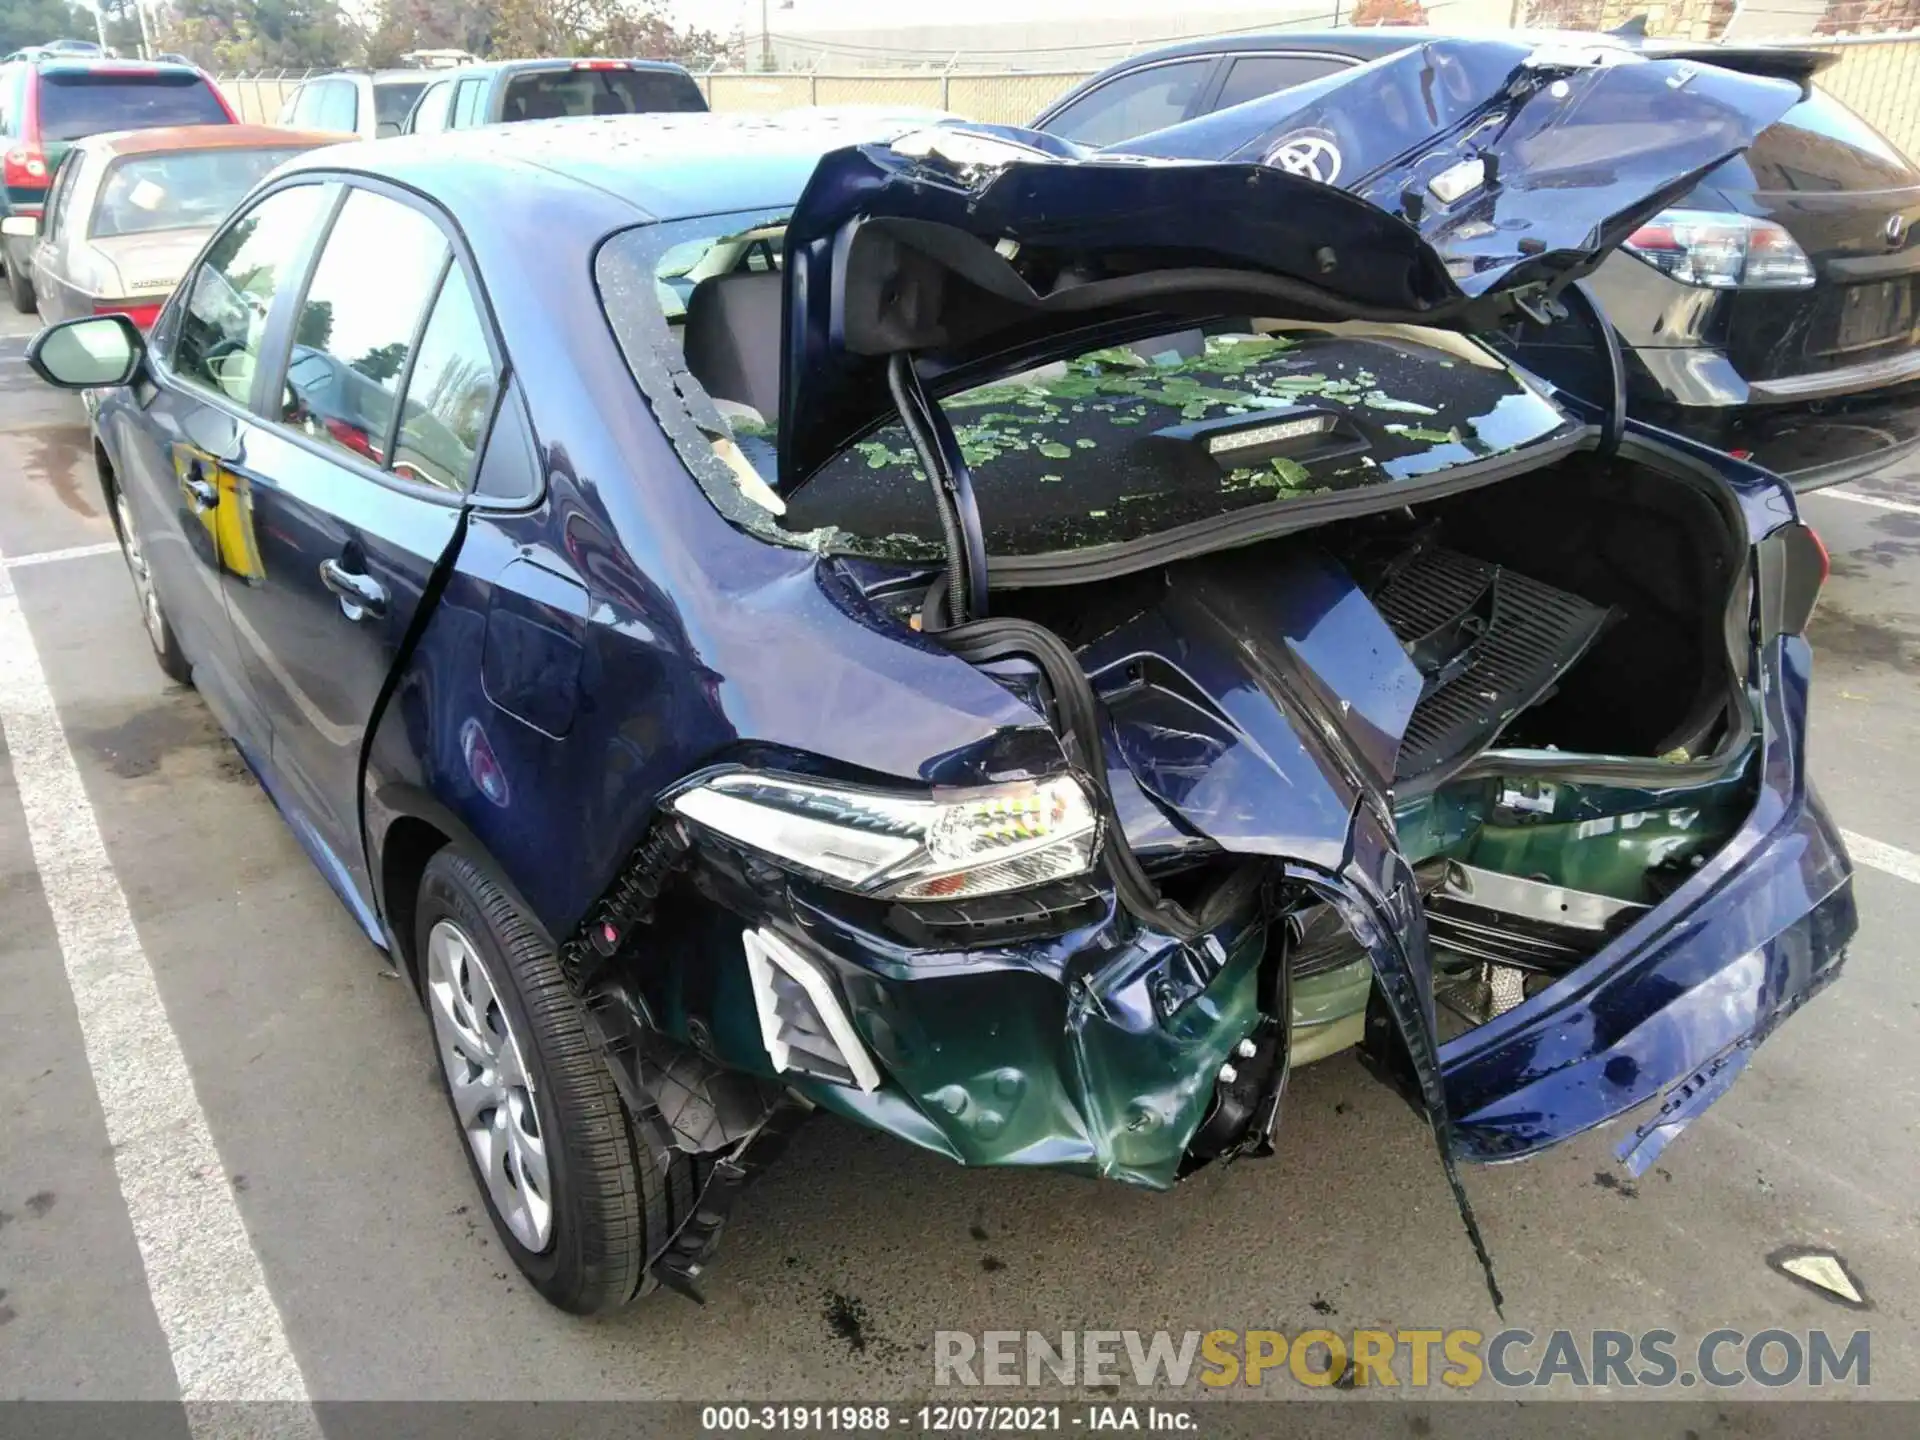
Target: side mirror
22, 226
83, 354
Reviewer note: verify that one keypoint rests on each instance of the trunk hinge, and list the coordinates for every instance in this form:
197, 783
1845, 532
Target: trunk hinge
1613, 419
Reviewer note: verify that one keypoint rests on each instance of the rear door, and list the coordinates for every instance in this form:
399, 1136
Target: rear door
335, 106
469, 103
354, 495
430, 116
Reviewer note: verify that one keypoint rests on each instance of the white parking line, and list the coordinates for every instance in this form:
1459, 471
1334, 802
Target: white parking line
1879, 502
72, 552
209, 1293
1881, 856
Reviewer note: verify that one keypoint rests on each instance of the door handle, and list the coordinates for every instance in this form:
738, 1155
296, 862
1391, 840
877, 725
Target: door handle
201, 491
361, 596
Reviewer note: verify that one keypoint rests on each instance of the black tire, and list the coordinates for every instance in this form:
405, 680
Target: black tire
611, 1195
166, 645
20, 289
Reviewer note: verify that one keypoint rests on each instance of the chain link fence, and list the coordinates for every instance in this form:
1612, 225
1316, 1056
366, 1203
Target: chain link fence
258, 99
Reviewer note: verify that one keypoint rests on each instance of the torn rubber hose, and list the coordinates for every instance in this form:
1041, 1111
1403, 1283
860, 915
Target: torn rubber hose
1076, 720
905, 401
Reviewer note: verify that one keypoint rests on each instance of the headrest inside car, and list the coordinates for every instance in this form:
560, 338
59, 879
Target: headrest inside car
732, 339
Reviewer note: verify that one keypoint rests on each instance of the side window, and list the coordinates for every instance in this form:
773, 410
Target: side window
59, 193
1252, 76
338, 107
466, 104
449, 393
226, 307
9, 83
1131, 105
304, 112
376, 275
430, 116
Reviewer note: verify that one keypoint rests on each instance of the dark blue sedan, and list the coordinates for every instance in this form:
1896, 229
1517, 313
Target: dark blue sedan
1013, 646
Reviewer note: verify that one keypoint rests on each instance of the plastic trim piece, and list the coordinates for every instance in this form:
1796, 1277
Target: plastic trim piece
766, 950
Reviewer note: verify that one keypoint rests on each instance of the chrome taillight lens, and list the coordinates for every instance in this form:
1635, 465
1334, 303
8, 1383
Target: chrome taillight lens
1721, 250
938, 845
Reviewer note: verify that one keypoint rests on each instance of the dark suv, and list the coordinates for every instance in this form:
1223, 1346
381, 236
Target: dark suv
49, 101
1771, 311
549, 89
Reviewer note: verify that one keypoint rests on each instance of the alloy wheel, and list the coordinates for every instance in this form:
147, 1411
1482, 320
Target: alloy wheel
492, 1089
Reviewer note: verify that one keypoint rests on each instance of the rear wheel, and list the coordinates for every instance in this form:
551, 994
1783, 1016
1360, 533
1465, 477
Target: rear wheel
166, 648
574, 1193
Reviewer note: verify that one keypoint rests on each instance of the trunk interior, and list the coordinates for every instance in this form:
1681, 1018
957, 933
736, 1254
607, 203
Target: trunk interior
1582, 743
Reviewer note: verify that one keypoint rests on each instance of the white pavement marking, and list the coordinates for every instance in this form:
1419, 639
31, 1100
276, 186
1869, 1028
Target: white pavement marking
209, 1293
1879, 502
1903, 864
72, 552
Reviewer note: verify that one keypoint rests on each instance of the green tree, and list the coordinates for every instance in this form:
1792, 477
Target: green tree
314, 328
514, 29
35, 22
228, 35
383, 362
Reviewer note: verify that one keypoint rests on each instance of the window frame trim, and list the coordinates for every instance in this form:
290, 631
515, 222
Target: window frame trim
277, 343
1217, 87
407, 125
161, 361
1215, 62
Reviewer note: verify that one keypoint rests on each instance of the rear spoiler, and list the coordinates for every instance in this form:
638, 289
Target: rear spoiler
1775, 62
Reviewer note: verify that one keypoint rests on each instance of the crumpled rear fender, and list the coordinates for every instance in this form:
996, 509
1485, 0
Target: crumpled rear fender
1677, 1000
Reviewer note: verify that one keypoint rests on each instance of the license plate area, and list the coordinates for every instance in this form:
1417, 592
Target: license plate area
1872, 314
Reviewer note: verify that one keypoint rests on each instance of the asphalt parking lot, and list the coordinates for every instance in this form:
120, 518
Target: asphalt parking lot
313, 1100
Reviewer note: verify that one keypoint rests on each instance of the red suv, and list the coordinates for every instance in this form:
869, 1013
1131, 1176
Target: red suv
47, 102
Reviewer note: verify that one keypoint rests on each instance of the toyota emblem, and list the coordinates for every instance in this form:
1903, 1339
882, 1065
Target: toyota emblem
1896, 231
1307, 152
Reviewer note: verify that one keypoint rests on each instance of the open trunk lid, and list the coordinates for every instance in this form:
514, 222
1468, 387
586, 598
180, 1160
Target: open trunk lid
1468, 178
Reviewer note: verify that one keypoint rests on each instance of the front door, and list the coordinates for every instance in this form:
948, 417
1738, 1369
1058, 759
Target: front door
353, 491
178, 466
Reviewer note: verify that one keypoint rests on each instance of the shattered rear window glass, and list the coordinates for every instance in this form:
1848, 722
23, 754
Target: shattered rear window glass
1126, 441
1108, 445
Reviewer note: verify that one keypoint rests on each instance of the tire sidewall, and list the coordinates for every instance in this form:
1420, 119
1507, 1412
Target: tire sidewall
443, 897
168, 655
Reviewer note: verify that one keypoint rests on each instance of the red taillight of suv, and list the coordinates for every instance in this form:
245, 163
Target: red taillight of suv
143, 315
1722, 251
24, 168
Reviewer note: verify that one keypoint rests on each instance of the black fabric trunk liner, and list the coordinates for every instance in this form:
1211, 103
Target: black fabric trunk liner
1490, 642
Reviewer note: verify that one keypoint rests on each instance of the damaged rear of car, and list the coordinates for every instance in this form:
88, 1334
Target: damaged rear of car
1354, 686
1017, 647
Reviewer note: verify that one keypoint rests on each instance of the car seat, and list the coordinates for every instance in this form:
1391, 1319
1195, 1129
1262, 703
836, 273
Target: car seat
732, 339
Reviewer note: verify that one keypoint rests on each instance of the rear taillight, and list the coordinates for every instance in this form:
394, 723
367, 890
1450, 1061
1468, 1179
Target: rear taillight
142, 316
601, 65
25, 167
1722, 250
1793, 566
